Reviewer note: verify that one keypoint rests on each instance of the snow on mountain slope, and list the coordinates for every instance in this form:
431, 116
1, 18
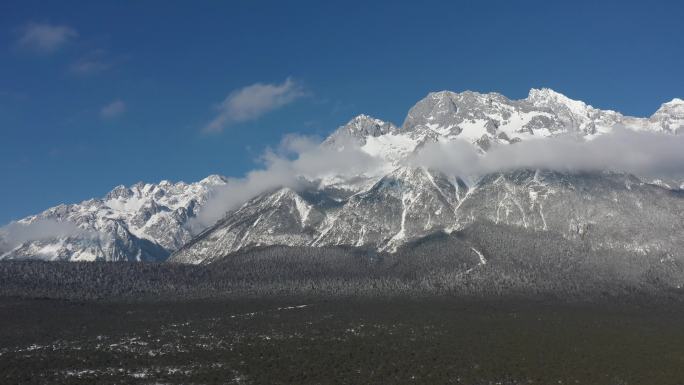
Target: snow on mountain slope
359, 129
397, 201
279, 217
409, 202
141, 222
669, 118
488, 119
608, 209
403, 205
605, 209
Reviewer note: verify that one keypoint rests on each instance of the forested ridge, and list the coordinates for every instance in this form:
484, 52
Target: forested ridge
482, 260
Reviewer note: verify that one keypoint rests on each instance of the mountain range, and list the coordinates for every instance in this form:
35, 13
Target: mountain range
143, 222
395, 203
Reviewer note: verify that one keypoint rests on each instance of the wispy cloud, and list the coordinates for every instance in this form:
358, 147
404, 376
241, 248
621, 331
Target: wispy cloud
45, 38
113, 109
253, 101
16, 233
297, 159
91, 63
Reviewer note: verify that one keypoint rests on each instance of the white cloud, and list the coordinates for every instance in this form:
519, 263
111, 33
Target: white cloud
45, 38
643, 154
640, 153
253, 101
296, 157
16, 233
113, 109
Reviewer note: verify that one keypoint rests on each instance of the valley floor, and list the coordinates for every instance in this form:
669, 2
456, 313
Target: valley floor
352, 341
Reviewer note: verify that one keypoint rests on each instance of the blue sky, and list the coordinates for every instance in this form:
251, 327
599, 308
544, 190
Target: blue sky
96, 94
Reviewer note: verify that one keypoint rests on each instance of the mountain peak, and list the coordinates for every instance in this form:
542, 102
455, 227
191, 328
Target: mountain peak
675, 102
359, 128
543, 92
364, 118
670, 116
443, 94
366, 125
213, 179
546, 97
435, 106
674, 105
546, 93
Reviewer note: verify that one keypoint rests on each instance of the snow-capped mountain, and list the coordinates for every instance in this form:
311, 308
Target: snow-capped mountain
605, 209
400, 201
359, 130
486, 119
409, 202
140, 222
669, 117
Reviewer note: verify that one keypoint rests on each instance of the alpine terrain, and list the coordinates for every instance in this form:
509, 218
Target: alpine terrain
144, 222
400, 201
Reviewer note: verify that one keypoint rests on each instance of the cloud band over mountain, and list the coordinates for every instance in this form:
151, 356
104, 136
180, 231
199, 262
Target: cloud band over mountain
646, 154
642, 153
